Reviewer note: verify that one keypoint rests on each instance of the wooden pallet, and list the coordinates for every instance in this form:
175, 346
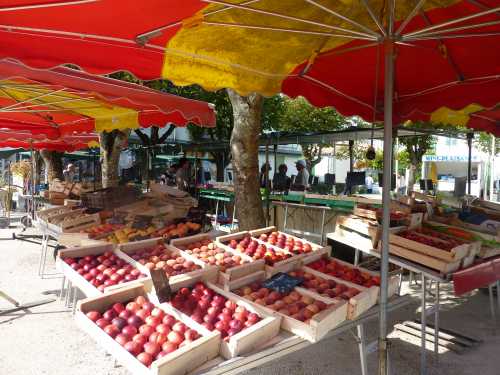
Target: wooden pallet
179, 362
319, 325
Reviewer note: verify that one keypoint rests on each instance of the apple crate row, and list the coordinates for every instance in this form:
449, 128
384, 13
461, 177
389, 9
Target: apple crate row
200, 322
97, 269
277, 249
440, 254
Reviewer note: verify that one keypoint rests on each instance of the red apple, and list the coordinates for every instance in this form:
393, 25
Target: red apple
169, 347
129, 330
135, 321
145, 358
111, 330
175, 338
101, 323
125, 314
158, 338
141, 339
168, 320
94, 315
122, 339
152, 348
119, 322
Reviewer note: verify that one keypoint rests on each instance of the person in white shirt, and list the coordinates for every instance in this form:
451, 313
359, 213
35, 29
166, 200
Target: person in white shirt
369, 184
302, 178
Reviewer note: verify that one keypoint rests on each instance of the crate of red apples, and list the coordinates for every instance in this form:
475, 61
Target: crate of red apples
304, 313
146, 339
231, 264
359, 298
97, 269
274, 256
243, 328
284, 241
443, 255
346, 272
154, 254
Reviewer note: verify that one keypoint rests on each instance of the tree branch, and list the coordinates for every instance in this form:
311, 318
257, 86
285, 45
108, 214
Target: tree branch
143, 137
165, 135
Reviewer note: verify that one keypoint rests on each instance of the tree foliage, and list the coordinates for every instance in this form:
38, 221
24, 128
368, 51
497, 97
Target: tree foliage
483, 142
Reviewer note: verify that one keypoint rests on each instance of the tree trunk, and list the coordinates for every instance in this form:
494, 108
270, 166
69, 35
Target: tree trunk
53, 164
245, 151
112, 144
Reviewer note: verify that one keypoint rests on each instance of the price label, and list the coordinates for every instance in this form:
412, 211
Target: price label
161, 285
282, 283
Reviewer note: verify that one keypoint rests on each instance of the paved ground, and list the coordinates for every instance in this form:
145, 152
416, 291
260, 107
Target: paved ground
46, 341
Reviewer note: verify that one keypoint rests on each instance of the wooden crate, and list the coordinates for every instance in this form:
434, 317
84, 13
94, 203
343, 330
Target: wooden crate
320, 324
257, 232
365, 212
453, 255
439, 265
249, 338
393, 281
78, 280
284, 264
358, 304
47, 213
361, 228
179, 362
230, 274
208, 273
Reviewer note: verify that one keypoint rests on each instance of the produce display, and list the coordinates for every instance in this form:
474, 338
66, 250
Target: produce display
104, 270
354, 275
441, 236
324, 287
178, 230
159, 257
256, 250
293, 304
413, 235
214, 311
145, 331
102, 229
289, 243
129, 234
207, 251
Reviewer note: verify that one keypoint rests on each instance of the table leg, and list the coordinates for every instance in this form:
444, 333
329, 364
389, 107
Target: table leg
75, 298
498, 295
362, 348
68, 292
286, 217
356, 257
323, 228
436, 321
492, 304
41, 256
45, 246
62, 287
216, 213
423, 359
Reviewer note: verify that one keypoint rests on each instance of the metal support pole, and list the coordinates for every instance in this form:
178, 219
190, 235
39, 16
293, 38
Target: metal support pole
436, 321
362, 348
62, 287
351, 155
386, 193
267, 184
423, 325
470, 136
492, 167
492, 303
498, 294
323, 218
32, 182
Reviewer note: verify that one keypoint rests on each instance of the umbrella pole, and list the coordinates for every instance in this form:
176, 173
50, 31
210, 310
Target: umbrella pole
32, 182
470, 136
386, 194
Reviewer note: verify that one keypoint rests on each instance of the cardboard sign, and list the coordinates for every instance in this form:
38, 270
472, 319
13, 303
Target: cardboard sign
161, 285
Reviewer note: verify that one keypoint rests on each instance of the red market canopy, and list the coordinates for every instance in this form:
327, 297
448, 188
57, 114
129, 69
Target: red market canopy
65, 101
67, 143
446, 50
487, 120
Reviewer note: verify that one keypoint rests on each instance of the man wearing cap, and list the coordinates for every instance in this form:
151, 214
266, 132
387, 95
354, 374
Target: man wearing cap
302, 178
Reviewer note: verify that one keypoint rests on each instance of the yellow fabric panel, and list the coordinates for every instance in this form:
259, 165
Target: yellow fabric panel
251, 60
93, 144
433, 173
445, 115
106, 116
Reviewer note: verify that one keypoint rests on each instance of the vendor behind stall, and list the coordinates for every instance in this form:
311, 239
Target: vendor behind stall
182, 177
281, 182
302, 179
70, 173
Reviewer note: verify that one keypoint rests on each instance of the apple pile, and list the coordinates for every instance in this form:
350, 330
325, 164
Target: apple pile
285, 242
441, 236
293, 304
104, 270
160, 258
209, 253
344, 272
324, 287
101, 229
145, 331
417, 237
256, 250
213, 311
